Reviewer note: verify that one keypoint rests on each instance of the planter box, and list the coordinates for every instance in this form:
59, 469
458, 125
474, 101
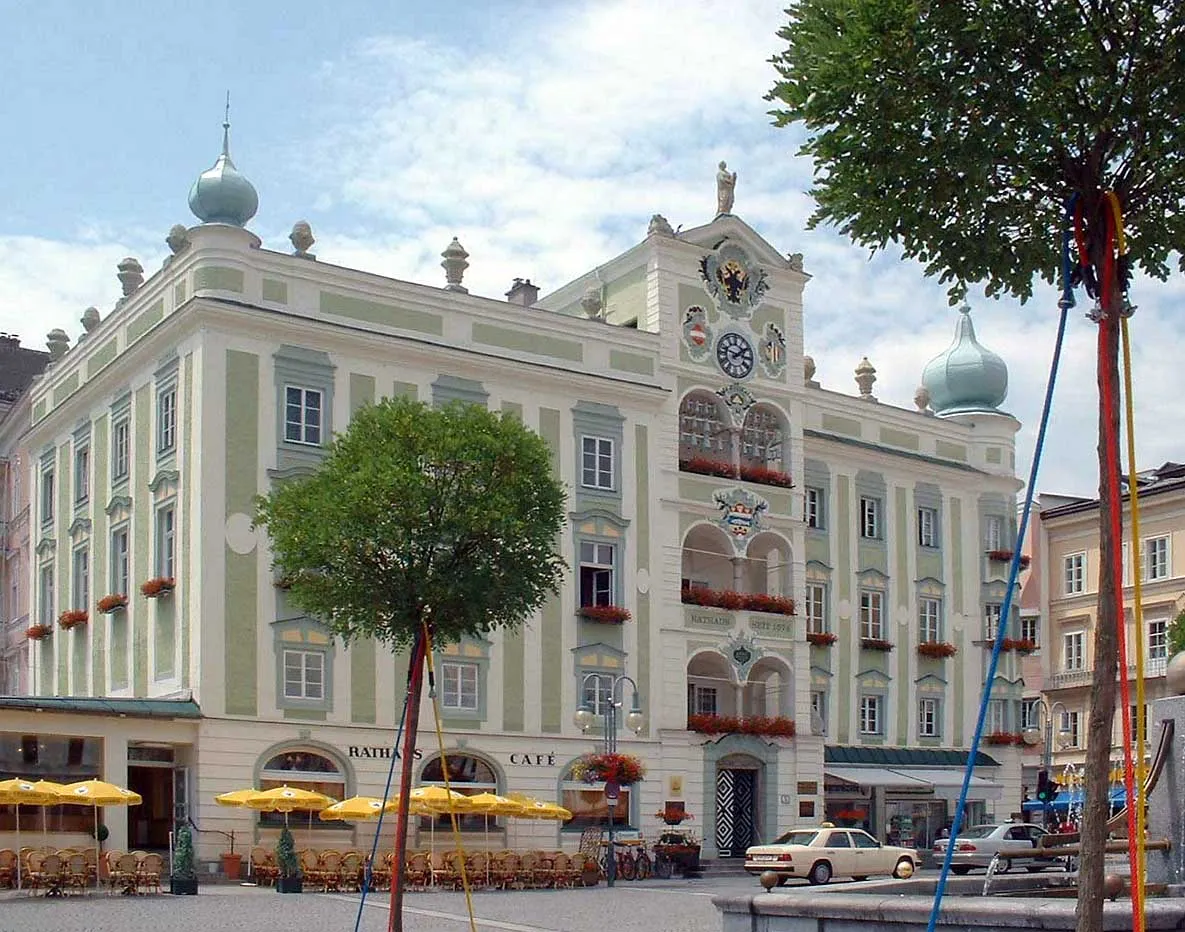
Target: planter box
289, 885
232, 865
183, 886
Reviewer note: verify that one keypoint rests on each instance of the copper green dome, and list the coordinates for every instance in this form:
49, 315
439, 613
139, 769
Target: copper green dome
221, 194
967, 377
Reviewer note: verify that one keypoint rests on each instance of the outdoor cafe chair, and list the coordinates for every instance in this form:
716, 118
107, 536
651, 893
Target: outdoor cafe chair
564, 872
263, 868
148, 872
124, 873
477, 868
7, 867
504, 870
351, 870
50, 874
310, 867
76, 875
419, 870
329, 865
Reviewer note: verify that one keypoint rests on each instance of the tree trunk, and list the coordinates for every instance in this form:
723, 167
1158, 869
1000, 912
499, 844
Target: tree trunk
1106, 640
415, 678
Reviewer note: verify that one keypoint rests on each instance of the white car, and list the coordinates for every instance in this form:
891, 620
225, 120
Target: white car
819, 854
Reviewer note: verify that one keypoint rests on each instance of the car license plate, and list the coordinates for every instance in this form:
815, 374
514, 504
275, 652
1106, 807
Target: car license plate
766, 857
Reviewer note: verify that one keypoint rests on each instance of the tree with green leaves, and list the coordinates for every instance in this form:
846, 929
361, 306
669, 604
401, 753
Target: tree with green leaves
420, 520
958, 130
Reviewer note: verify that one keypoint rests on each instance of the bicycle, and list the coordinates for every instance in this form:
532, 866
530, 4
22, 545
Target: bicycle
633, 863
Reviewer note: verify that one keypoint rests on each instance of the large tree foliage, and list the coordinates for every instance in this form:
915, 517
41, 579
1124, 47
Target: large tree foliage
957, 128
449, 516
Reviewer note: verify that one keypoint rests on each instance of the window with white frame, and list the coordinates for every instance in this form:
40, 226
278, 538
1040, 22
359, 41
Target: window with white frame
597, 565
80, 579
872, 614
870, 518
1156, 558
1030, 629
47, 496
1134, 719
701, 431
1158, 642
991, 620
929, 718
814, 507
993, 532
304, 674
1070, 731
816, 608
459, 683
819, 707
595, 693
120, 434
701, 700
761, 438
997, 719
166, 541
596, 467
82, 473
870, 715
45, 591
1029, 716
166, 419
119, 561
929, 619
1074, 574
303, 415
928, 527
1073, 651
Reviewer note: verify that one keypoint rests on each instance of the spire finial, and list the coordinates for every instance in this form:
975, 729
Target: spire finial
226, 127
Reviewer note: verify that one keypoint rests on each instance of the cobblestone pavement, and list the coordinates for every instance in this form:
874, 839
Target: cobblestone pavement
655, 906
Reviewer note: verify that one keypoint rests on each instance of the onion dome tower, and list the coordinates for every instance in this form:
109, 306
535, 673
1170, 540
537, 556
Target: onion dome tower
967, 378
222, 194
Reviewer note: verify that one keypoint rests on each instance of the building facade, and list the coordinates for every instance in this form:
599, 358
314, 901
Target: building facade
782, 549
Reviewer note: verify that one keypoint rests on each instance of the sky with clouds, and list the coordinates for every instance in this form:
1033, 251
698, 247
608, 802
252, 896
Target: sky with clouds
542, 134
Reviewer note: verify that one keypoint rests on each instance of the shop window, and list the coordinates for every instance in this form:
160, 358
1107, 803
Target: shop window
49, 757
586, 801
467, 774
305, 769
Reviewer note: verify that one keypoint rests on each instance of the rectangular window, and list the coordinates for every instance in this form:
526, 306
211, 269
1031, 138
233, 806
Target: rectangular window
166, 420
1133, 711
81, 579
816, 608
166, 542
47, 493
46, 616
870, 715
1158, 644
595, 693
814, 507
1073, 655
303, 410
459, 685
701, 700
1030, 628
870, 518
871, 614
996, 720
929, 620
119, 561
1156, 558
819, 709
994, 532
82, 474
596, 467
596, 573
119, 449
1029, 716
928, 527
991, 620
928, 718
1070, 733
304, 674
1075, 573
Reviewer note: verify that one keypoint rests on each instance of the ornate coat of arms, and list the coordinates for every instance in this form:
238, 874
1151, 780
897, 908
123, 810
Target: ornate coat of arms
772, 351
733, 281
744, 651
741, 515
738, 400
697, 333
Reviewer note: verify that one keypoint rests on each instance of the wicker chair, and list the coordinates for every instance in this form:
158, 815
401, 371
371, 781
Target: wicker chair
7, 867
329, 865
310, 868
49, 874
148, 872
565, 873
419, 870
263, 866
125, 874
528, 864
110, 859
76, 874
350, 873
380, 873
477, 869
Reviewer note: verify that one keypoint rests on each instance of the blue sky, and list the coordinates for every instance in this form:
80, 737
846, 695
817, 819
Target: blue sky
542, 134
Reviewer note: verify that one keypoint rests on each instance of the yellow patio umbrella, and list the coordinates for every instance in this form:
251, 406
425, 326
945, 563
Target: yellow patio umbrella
288, 799
96, 793
491, 804
235, 797
363, 808
18, 792
437, 799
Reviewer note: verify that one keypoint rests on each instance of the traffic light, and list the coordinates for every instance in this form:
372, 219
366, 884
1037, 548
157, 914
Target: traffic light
1046, 789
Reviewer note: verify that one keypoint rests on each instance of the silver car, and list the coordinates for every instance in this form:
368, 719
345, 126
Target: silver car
1014, 842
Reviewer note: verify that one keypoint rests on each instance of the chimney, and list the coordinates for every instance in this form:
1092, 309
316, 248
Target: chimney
9, 342
523, 292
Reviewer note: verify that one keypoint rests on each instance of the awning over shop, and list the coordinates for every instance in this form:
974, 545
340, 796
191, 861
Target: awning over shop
946, 784
1077, 797
875, 776
949, 783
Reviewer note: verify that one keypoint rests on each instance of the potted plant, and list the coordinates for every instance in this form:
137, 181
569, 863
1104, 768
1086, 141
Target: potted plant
183, 880
604, 614
822, 638
673, 814
38, 631
937, 649
157, 586
289, 879
110, 604
622, 769
232, 863
69, 619
876, 644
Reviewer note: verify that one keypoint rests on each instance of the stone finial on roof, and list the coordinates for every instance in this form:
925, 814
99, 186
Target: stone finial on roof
58, 342
177, 239
302, 239
795, 261
921, 398
808, 372
89, 321
592, 303
659, 226
865, 376
455, 263
131, 275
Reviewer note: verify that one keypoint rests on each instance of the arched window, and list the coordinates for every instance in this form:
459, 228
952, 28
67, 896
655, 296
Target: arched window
702, 432
466, 774
588, 806
761, 439
305, 769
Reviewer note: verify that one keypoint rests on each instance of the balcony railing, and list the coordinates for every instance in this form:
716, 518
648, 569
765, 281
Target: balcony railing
1067, 679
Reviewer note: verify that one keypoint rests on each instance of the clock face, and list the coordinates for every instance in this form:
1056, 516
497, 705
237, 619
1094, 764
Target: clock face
734, 354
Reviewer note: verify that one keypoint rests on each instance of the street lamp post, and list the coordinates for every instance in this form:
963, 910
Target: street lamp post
609, 701
1042, 728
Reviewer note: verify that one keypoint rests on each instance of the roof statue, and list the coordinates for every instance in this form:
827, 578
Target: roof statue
726, 183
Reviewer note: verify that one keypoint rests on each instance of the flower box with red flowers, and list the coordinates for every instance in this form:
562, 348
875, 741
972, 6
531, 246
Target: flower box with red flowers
673, 815
876, 644
604, 614
762, 475
1020, 645
1003, 738
704, 466
734, 601
112, 603
158, 586
622, 769
822, 638
774, 726
68, 620
37, 632
1005, 556
937, 649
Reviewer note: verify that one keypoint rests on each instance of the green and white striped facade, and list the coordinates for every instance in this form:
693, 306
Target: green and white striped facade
228, 327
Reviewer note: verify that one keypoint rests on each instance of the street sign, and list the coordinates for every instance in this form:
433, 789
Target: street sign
612, 791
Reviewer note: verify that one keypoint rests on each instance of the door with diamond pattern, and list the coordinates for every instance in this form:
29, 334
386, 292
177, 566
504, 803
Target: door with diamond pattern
736, 795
